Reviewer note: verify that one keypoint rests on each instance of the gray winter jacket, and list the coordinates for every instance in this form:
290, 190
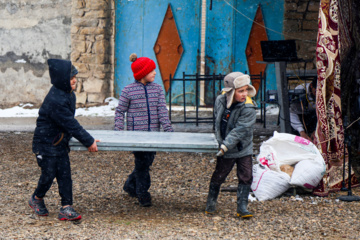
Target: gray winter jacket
239, 130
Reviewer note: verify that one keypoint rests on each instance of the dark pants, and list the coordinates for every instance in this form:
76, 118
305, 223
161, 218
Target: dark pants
310, 120
225, 165
139, 180
55, 167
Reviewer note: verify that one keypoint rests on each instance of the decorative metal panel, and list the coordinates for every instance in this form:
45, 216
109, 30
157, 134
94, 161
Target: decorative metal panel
253, 48
168, 48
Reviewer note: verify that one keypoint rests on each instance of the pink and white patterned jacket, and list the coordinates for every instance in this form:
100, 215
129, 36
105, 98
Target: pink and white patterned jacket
145, 106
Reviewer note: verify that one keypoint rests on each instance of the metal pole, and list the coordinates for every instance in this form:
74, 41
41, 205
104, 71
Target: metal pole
343, 185
170, 100
261, 96
349, 197
281, 83
196, 99
184, 92
264, 100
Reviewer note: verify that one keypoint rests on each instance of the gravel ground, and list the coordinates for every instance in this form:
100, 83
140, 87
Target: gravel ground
179, 190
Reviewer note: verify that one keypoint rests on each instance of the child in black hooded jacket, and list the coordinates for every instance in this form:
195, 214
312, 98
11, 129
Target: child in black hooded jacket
55, 126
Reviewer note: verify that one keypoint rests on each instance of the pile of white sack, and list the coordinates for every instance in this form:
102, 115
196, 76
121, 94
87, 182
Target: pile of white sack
286, 161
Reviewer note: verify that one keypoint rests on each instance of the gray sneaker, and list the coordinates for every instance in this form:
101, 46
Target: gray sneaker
39, 206
68, 214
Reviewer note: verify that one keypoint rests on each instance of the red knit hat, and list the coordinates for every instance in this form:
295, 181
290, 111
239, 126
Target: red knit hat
141, 66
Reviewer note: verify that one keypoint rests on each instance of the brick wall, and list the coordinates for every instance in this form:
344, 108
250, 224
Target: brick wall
301, 23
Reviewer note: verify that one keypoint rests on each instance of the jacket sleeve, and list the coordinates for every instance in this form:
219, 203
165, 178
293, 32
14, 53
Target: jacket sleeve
62, 115
120, 111
163, 112
218, 109
243, 128
295, 122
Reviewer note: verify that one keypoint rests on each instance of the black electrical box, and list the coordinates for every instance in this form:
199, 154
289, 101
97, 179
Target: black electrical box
279, 51
271, 96
296, 95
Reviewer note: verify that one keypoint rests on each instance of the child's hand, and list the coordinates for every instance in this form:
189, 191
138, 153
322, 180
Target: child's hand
220, 153
93, 147
223, 149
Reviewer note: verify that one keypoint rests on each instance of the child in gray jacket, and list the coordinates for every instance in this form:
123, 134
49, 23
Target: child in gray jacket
235, 118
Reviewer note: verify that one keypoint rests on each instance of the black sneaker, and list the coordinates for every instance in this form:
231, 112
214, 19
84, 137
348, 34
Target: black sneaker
145, 201
68, 214
39, 206
128, 191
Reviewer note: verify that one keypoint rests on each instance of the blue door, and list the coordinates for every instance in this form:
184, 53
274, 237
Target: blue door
228, 29
138, 23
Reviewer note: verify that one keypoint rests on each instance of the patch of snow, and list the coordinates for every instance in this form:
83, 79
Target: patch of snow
99, 111
18, 111
251, 198
20, 61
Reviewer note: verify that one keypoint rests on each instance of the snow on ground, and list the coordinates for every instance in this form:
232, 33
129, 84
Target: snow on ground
108, 110
102, 111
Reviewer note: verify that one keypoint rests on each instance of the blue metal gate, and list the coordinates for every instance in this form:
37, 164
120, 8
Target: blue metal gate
138, 23
228, 28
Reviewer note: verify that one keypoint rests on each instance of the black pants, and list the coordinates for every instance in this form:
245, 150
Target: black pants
139, 180
310, 120
225, 165
55, 167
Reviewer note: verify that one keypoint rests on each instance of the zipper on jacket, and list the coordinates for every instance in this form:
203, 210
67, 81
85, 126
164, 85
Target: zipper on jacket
133, 123
148, 107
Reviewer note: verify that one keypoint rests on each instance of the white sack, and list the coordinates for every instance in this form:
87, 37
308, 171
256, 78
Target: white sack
307, 173
268, 184
288, 149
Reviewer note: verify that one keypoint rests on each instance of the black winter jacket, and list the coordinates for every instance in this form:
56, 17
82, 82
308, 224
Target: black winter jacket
56, 123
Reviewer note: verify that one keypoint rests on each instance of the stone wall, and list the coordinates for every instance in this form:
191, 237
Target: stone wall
301, 23
92, 52
30, 33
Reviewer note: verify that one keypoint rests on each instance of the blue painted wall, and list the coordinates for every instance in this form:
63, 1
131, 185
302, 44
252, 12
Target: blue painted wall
137, 27
228, 32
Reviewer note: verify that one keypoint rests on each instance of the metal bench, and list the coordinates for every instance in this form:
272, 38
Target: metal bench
151, 141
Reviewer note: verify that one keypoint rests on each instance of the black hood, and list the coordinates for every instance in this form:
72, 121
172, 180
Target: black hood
60, 73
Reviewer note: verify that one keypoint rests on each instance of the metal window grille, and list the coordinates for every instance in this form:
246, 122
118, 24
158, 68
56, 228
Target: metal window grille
215, 81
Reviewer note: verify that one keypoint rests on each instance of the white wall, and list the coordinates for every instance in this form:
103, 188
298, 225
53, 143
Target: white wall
31, 31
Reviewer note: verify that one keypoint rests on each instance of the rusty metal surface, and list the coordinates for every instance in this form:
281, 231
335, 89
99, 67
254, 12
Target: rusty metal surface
253, 48
168, 48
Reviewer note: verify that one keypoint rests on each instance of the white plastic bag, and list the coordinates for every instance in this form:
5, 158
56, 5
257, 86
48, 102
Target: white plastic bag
307, 173
268, 184
290, 149
287, 149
